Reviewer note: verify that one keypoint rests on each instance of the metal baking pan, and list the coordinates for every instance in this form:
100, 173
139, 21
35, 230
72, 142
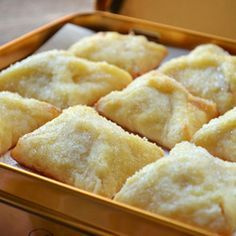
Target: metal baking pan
31, 204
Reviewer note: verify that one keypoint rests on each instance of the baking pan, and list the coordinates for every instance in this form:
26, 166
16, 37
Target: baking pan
47, 206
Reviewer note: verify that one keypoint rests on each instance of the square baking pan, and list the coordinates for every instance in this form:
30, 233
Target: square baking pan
31, 204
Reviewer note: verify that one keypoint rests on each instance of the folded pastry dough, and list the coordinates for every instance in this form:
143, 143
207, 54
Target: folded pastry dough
189, 185
19, 116
208, 72
62, 79
159, 108
219, 136
133, 53
84, 149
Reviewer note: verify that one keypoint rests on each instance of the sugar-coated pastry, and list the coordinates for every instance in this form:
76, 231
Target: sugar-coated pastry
189, 185
209, 48
62, 79
19, 116
133, 53
85, 150
159, 108
208, 72
219, 136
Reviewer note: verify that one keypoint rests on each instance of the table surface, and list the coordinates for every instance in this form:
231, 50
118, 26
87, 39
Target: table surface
21, 16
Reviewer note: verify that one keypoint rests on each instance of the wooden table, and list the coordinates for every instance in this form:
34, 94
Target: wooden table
21, 16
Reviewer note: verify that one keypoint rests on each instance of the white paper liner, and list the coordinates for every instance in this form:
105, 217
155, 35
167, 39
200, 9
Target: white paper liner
65, 37
7, 159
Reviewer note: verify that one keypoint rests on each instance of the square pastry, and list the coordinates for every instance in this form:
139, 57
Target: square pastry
133, 53
159, 108
62, 79
188, 185
85, 150
19, 116
208, 72
219, 136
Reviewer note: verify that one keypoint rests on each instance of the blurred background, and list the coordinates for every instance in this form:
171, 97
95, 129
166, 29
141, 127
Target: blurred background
212, 16
18, 17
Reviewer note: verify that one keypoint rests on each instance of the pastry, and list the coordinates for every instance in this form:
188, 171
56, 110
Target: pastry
159, 108
19, 116
85, 150
207, 72
62, 79
209, 48
219, 136
133, 53
189, 185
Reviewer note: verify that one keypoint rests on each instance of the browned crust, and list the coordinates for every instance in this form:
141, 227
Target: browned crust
16, 157
145, 70
206, 105
55, 111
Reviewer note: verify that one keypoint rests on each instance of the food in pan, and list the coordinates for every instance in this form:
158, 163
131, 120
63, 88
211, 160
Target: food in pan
207, 72
159, 108
19, 116
219, 136
189, 185
62, 79
133, 53
85, 150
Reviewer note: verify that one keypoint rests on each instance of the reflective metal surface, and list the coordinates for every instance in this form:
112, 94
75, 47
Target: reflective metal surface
79, 209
